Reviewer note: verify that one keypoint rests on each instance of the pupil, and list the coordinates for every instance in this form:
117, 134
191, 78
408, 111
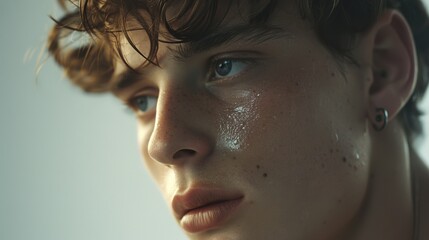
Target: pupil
224, 67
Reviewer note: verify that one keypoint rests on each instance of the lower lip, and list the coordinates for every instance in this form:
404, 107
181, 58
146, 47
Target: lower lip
209, 217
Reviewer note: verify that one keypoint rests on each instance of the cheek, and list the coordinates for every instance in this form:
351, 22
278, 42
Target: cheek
312, 142
312, 135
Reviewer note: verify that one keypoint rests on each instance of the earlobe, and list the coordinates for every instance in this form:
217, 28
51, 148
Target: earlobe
394, 67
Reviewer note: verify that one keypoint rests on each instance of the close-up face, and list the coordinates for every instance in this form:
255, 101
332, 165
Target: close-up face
264, 126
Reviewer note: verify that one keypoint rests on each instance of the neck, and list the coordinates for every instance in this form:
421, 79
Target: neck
387, 211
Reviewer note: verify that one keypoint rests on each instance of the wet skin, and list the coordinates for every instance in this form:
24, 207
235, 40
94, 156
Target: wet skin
277, 120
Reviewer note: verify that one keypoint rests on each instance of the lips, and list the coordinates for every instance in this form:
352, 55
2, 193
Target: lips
201, 209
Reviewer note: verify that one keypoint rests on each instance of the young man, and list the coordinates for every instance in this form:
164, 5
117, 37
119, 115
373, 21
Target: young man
268, 119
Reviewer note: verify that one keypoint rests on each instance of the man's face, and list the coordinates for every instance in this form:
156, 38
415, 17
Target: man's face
269, 128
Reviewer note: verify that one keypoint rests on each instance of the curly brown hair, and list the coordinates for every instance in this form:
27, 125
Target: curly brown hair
337, 23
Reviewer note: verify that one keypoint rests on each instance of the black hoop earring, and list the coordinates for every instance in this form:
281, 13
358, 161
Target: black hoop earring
381, 118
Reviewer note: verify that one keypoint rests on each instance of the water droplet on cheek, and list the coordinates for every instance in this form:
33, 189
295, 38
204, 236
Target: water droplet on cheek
239, 109
235, 122
233, 144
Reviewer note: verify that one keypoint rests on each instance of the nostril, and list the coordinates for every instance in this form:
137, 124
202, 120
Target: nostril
184, 153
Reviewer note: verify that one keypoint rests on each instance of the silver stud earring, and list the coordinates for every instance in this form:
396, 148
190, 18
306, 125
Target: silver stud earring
381, 119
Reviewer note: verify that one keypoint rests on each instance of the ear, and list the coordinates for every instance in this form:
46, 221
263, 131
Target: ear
394, 64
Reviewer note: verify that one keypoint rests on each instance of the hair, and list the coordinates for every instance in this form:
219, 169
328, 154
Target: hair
337, 23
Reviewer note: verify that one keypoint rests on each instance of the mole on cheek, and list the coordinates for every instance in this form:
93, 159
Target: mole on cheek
258, 167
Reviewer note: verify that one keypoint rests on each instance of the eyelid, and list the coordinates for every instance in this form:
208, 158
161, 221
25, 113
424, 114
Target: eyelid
247, 57
235, 55
130, 102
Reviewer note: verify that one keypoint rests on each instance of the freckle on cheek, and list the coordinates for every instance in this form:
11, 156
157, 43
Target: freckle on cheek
349, 164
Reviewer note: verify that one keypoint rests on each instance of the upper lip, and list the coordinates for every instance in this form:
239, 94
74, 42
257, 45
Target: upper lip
196, 197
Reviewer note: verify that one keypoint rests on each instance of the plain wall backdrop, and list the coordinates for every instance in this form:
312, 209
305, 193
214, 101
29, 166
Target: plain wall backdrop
69, 162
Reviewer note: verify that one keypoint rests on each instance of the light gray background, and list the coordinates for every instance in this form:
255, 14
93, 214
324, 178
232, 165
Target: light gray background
69, 164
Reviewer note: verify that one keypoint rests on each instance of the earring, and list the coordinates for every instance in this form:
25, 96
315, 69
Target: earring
381, 119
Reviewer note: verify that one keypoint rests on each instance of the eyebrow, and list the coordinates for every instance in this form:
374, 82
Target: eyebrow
255, 34
124, 80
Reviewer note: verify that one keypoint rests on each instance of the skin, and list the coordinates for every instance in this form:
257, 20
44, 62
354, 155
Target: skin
292, 132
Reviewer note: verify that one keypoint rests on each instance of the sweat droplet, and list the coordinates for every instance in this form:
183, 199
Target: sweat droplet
357, 156
239, 109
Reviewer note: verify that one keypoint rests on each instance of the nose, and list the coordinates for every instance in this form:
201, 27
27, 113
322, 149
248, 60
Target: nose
180, 135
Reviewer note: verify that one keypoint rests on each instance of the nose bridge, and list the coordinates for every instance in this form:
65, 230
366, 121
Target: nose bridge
176, 138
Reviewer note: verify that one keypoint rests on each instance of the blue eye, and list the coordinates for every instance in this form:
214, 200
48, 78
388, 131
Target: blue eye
228, 68
224, 67
144, 103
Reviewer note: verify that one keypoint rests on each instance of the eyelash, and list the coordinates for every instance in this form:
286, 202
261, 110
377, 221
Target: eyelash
215, 62
133, 104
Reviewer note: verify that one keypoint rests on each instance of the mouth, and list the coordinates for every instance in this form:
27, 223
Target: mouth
201, 209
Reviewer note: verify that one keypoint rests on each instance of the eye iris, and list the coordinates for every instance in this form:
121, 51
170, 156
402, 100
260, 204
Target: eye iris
141, 103
224, 67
